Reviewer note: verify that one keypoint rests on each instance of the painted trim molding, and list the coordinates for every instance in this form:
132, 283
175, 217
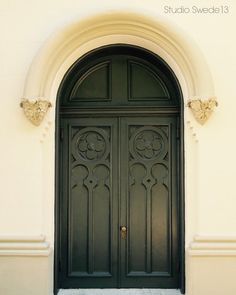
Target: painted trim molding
24, 246
213, 246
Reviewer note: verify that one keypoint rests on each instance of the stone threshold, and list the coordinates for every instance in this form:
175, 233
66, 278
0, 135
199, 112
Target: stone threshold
119, 292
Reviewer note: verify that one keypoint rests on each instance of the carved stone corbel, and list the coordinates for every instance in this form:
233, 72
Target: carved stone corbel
35, 111
202, 109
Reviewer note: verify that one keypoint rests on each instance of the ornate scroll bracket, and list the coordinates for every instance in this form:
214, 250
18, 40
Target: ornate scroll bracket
202, 109
35, 110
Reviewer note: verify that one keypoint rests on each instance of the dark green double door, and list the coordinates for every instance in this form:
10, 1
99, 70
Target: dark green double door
119, 219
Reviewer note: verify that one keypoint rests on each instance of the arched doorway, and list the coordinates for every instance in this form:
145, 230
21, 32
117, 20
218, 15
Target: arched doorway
120, 172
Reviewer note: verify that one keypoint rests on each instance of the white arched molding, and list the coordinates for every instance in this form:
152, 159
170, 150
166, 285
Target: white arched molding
78, 38
156, 35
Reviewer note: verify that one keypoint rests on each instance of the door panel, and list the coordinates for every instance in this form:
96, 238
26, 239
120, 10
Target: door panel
90, 198
118, 172
128, 166
148, 202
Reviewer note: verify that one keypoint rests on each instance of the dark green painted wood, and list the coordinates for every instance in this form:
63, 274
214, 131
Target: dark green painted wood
119, 76
140, 74
120, 162
97, 77
149, 202
90, 202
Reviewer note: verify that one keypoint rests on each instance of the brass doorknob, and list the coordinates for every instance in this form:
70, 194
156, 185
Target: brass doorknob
123, 230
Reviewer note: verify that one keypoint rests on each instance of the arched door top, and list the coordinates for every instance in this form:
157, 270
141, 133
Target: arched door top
120, 172
130, 66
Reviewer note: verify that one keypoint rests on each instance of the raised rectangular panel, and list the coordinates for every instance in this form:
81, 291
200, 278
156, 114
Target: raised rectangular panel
90, 200
149, 199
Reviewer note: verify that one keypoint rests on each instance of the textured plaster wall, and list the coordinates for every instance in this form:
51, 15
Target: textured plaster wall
26, 25
26, 194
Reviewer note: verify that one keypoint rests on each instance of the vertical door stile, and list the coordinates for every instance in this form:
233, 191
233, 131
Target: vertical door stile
124, 243
119, 143
90, 231
148, 229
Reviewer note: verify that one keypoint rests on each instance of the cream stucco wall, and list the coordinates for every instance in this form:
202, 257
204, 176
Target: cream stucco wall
27, 152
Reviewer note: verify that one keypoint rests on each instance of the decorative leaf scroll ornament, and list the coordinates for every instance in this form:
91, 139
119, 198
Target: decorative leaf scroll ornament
202, 109
35, 111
